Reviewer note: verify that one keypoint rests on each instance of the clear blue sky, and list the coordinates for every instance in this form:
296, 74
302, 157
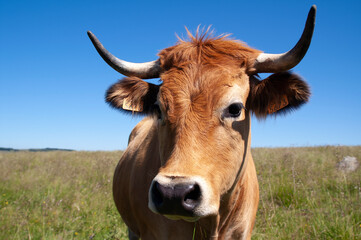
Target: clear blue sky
52, 81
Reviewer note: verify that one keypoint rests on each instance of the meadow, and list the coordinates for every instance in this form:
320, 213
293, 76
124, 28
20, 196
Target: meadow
67, 195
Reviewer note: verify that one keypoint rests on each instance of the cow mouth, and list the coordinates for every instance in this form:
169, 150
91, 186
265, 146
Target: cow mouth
177, 217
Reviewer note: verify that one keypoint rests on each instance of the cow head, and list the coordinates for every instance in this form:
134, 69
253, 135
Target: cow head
202, 108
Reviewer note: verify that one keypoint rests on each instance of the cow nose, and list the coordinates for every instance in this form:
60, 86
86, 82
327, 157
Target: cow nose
176, 199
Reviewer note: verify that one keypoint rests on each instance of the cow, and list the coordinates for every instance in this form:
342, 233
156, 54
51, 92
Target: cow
188, 172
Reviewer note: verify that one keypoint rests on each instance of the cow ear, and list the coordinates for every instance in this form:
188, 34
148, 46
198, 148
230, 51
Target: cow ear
279, 93
133, 95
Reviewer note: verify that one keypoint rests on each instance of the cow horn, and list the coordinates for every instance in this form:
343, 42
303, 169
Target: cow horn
271, 63
144, 70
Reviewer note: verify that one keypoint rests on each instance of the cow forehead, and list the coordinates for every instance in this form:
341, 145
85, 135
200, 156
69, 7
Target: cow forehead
201, 67
198, 73
193, 83
200, 91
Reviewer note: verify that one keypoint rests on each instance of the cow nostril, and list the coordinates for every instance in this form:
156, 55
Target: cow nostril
157, 196
175, 199
192, 198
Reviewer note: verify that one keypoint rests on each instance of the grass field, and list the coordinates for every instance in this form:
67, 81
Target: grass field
67, 195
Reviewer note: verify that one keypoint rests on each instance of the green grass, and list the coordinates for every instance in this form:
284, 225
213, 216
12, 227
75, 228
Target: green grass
58, 195
67, 195
304, 196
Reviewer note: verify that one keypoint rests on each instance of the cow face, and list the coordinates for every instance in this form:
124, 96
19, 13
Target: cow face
202, 109
203, 137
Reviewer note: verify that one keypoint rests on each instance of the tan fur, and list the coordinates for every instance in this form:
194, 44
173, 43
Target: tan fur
192, 138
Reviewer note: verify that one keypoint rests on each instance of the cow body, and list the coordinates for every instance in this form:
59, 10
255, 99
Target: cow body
191, 141
188, 169
137, 168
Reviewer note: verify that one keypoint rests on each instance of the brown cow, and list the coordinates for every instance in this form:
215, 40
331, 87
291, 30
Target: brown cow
188, 170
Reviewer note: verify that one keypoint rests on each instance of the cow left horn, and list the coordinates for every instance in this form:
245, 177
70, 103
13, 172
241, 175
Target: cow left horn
271, 63
144, 70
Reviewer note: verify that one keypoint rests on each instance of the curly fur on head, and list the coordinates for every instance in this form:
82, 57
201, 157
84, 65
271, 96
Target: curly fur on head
206, 48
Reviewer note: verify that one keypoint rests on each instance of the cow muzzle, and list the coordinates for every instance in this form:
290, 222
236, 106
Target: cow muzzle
176, 197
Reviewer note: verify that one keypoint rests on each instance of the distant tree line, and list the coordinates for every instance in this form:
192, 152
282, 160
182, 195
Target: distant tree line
34, 149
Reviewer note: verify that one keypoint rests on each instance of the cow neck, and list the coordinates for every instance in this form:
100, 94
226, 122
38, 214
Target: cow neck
231, 199
216, 226
243, 167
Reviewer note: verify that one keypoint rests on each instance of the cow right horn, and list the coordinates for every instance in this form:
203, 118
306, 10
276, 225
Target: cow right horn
271, 63
144, 70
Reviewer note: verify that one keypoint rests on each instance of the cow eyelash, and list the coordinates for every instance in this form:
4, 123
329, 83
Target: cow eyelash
233, 111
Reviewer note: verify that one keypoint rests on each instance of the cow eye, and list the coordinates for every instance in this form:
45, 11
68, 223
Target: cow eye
233, 110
